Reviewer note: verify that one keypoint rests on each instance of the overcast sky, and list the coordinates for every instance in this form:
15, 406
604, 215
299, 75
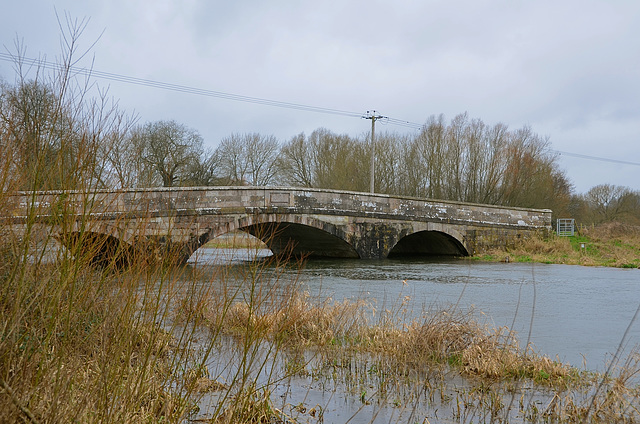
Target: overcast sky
569, 69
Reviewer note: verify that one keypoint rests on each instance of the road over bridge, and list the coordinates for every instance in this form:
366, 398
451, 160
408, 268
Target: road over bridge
309, 222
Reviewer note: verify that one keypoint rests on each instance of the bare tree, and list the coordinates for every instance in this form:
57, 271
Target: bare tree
297, 162
467, 160
249, 159
122, 159
54, 125
168, 150
205, 171
390, 169
29, 112
340, 162
414, 175
607, 203
233, 162
456, 157
262, 158
326, 160
495, 141
431, 150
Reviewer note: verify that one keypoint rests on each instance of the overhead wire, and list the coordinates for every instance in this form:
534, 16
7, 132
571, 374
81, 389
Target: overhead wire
178, 88
240, 98
403, 123
601, 159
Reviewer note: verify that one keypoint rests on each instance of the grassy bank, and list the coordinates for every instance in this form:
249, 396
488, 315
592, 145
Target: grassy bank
612, 244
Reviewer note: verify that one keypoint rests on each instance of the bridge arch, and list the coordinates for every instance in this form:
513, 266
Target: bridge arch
102, 250
430, 242
288, 235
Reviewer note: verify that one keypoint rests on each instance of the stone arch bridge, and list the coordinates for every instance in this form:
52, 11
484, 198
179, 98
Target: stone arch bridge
309, 222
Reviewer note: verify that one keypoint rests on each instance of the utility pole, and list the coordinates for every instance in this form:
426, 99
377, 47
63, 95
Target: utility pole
371, 114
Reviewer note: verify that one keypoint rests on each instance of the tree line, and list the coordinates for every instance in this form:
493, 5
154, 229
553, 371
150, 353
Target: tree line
54, 136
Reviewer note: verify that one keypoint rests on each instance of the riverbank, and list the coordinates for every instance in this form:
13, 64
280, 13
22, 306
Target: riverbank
236, 240
611, 245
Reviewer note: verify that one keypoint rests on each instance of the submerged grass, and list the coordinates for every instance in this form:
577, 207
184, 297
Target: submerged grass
152, 342
442, 338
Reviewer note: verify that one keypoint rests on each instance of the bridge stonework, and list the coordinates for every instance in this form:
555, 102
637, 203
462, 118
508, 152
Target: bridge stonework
309, 222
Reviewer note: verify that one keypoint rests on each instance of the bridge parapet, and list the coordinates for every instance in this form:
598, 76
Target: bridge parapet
291, 200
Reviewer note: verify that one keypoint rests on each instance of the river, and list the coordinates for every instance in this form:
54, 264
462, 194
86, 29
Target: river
577, 314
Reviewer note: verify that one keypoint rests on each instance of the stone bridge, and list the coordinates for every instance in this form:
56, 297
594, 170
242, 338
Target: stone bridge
308, 222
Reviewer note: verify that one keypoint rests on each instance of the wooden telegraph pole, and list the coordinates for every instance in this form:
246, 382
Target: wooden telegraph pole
372, 115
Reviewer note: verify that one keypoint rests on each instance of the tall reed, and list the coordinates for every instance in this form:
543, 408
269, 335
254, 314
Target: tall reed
81, 340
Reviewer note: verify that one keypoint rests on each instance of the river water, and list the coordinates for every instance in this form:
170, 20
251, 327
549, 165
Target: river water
576, 314
579, 315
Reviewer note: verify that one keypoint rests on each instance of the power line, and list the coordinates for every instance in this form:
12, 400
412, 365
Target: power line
601, 159
402, 123
240, 98
175, 87
197, 91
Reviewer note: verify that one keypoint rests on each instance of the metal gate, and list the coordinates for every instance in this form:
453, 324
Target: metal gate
565, 227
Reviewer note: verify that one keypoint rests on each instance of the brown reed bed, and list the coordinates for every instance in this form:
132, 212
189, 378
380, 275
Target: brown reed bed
446, 337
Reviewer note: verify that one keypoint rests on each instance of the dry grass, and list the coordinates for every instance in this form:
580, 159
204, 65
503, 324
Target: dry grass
613, 230
475, 350
617, 244
295, 320
612, 399
73, 352
99, 346
87, 344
